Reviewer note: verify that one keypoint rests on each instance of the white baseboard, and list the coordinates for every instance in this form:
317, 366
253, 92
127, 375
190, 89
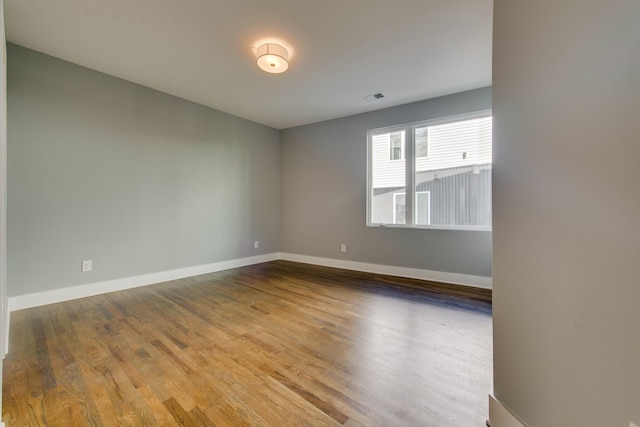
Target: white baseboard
65, 294
37, 299
69, 293
501, 416
390, 270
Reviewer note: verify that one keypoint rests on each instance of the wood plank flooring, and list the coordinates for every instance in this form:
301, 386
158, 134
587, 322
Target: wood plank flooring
274, 344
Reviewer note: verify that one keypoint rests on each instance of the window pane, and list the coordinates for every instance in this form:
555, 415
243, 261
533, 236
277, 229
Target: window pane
456, 177
423, 207
421, 141
396, 145
388, 178
399, 208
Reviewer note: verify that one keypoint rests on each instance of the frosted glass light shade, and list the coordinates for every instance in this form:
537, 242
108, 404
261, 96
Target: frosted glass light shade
273, 58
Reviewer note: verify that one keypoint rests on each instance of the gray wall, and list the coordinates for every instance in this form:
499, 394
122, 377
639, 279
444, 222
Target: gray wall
566, 86
134, 179
323, 190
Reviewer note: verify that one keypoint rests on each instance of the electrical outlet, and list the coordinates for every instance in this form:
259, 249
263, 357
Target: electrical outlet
343, 247
256, 244
87, 265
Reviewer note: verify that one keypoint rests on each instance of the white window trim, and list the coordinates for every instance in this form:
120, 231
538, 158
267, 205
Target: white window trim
409, 183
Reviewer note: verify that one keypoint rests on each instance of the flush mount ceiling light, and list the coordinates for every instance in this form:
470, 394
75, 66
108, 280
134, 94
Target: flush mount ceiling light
273, 58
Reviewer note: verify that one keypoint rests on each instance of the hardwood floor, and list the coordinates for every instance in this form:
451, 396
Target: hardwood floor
274, 344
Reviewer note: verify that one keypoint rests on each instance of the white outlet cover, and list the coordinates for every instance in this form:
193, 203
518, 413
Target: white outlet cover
87, 265
256, 244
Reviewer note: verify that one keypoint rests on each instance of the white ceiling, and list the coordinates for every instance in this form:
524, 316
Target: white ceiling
203, 50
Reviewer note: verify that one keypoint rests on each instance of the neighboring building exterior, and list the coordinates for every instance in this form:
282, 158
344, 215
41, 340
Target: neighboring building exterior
452, 174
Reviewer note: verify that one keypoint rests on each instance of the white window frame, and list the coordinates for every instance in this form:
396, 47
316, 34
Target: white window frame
409, 158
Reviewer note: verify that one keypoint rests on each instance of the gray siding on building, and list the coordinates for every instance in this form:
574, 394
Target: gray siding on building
463, 198
458, 196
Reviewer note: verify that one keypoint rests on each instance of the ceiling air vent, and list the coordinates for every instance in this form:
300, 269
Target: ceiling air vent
373, 97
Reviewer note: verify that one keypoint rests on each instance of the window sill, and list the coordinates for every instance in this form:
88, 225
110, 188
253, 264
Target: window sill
435, 227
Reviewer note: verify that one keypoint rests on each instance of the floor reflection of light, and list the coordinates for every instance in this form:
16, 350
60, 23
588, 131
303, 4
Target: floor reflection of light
400, 338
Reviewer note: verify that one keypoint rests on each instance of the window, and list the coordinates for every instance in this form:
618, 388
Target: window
388, 177
423, 207
396, 145
421, 142
399, 208
446, 165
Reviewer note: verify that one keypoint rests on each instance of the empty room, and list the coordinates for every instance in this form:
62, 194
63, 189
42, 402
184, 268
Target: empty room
338, 213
